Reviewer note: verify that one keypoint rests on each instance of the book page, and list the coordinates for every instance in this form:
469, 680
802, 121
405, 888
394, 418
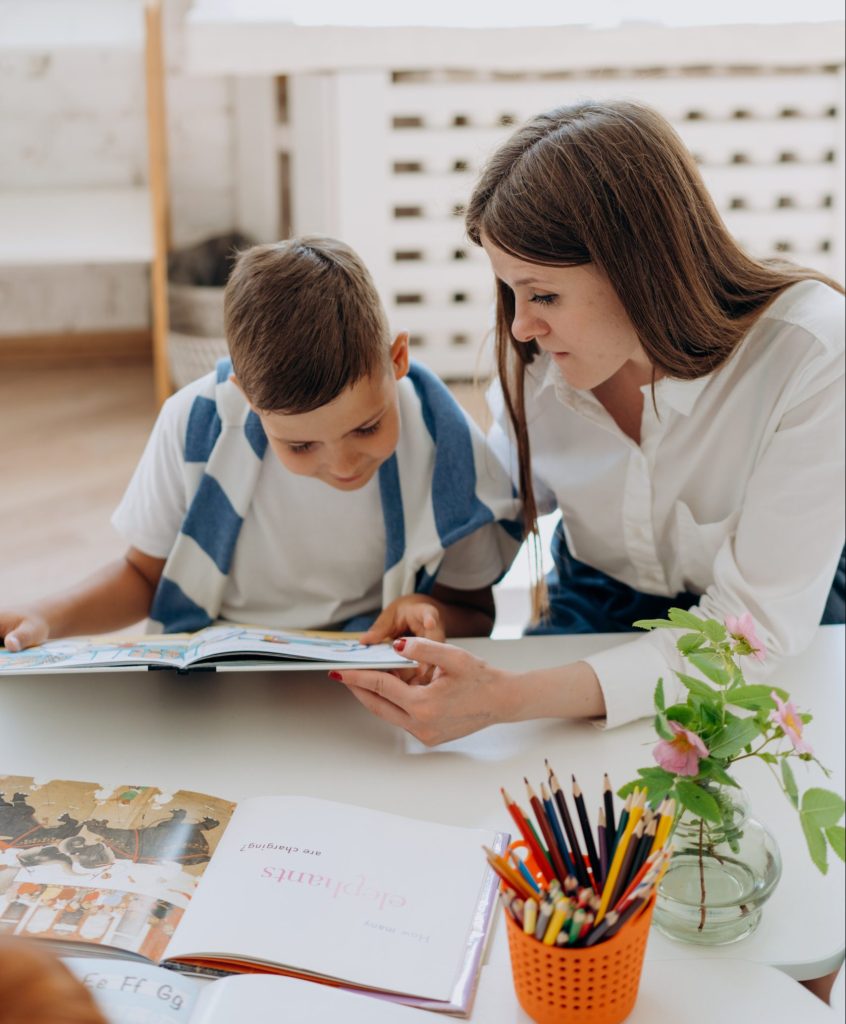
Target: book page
137, 993
111, 868
372, 899
217, 642
93, 652
264, 999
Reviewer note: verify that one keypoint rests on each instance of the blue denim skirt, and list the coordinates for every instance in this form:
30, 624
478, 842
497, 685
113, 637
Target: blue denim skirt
585, 600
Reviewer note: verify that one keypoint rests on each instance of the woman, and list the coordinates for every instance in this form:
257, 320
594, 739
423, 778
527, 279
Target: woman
679, 401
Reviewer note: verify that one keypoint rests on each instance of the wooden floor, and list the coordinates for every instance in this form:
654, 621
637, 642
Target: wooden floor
69, 440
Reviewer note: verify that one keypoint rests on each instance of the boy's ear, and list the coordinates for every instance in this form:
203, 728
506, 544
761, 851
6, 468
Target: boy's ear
399, 355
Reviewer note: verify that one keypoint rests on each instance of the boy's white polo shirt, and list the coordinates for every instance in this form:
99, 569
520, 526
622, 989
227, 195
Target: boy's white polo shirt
308, 556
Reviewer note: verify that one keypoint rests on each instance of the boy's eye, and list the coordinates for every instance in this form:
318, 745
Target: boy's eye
543, 300
300, 449
364, 431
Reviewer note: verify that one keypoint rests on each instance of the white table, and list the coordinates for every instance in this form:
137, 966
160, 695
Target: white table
247, 733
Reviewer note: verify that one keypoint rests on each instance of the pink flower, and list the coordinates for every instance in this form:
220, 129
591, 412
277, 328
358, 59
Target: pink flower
681, 755
787, 717
743, 630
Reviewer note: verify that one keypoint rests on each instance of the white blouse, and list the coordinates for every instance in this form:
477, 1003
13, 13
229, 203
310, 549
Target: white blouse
735, 492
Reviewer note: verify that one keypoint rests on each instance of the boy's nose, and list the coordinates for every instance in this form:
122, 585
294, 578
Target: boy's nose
344, 463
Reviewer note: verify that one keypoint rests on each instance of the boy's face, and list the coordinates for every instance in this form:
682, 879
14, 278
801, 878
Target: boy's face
344, 442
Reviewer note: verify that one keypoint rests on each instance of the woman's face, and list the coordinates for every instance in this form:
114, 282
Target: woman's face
575, 315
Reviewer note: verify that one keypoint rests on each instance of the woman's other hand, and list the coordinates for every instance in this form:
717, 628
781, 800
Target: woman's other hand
463, 694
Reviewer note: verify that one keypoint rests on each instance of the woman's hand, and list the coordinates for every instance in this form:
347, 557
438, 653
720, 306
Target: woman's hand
465, 693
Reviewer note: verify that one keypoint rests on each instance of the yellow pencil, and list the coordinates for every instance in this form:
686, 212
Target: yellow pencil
664, 825
619, 854
555, 922
530, 916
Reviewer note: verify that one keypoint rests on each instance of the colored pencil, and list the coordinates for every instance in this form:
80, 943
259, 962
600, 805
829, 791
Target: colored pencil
644, 846
625, 872
651, 862
567, 821
508, 874
545, 827
530, 916
520, 865
599, 931
665, 824
555, 922
614, 870
608, 801
561, 842
621, 824
528, 834
602, 839
544, 914
590, 846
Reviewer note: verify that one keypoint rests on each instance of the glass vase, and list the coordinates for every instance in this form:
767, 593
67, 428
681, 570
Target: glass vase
719, 876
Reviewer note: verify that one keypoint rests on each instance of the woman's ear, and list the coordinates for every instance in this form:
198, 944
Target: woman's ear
399, 355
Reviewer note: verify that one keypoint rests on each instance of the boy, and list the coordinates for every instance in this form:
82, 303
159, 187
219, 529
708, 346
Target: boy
376, 492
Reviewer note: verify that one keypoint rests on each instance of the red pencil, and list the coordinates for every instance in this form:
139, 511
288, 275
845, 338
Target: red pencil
545, 827
526, 832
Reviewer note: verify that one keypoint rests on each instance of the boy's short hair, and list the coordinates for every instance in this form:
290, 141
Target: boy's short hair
303, 322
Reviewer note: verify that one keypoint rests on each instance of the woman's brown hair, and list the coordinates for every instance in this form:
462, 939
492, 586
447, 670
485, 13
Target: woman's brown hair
303, 322
613, 184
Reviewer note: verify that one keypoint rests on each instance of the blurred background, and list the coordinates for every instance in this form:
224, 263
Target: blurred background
140, 142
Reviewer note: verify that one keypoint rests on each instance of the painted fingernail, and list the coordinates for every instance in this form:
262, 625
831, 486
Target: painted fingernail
337, 676
399, 645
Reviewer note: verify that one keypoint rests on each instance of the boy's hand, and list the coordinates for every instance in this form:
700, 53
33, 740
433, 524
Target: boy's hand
20, 630
412, 615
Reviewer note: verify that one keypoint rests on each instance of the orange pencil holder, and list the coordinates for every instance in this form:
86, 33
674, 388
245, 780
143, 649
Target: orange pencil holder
593, 985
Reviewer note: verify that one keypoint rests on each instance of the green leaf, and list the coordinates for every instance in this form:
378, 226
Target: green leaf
836, 836
698, 686
734, 737
765, 755
659, 695
653, 624
715, 631
714, 770
629, 787
816, 844
657, 781
710, 666
683, 714
697, 801
679, 617
690, 642
662, 728
822, 808
789, 780
753, 698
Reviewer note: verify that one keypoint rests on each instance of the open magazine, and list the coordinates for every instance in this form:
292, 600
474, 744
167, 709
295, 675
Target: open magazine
214, 647
142, 994
279, 884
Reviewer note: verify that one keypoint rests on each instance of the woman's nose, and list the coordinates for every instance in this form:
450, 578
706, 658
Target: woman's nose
525, 326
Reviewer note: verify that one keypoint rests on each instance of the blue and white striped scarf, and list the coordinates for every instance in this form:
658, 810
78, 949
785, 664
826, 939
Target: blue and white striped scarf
440, 485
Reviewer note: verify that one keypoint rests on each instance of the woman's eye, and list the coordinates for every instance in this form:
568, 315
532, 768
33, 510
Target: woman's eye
364, 431
543, 300
300, 449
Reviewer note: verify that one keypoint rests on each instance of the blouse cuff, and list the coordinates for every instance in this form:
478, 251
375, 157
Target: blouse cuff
627, 676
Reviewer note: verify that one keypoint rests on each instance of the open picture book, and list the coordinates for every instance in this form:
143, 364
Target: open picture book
128, 993
216, 647
301, 886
